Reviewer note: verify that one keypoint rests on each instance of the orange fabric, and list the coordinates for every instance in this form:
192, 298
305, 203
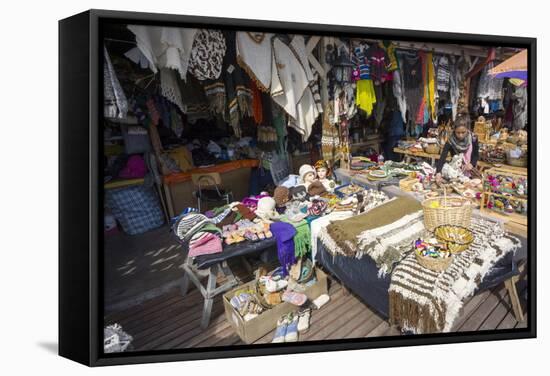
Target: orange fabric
224, 167
257, 109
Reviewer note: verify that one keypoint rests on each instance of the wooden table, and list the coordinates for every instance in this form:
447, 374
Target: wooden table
419, 154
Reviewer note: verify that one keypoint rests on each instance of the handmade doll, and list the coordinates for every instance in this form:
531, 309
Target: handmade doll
323, 172
307, 175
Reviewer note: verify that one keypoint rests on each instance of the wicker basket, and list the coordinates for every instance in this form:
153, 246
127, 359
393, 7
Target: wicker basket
435, 264
432, 148
448, 234
517, 162
450, 211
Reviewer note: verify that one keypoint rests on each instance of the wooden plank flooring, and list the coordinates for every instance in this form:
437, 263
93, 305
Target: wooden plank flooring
171, 322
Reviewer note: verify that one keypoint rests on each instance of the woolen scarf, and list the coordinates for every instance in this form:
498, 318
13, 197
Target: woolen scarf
284, 234
460, 146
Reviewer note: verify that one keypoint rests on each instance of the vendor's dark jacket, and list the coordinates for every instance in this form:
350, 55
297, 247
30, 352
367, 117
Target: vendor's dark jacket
449, 149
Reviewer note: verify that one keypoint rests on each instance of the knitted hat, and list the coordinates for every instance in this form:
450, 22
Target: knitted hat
284, 234
204, 243
266, 208
316, 188
281, 195
305, 169
187, 225
298, 192
317, 207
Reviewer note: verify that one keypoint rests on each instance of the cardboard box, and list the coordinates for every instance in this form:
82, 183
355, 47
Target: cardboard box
254, 329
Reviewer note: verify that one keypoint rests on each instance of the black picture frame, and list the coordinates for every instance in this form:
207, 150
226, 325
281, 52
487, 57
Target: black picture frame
80, 187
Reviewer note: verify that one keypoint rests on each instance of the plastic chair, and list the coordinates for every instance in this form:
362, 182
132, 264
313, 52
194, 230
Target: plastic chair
208, 188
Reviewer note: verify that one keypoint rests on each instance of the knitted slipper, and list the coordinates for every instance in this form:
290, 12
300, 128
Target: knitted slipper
303, 320
292, 330
295, 298
321, 301
280, 332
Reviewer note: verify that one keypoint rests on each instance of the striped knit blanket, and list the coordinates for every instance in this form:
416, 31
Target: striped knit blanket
385, 233
423, 301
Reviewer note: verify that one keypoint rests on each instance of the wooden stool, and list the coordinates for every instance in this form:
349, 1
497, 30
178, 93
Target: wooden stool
210, 291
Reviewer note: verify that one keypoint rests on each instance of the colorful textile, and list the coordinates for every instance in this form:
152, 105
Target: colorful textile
361, 60
365, 97
204, 243
137, 208
378, 63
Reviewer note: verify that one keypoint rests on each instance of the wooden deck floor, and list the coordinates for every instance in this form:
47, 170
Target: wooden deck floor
172, 322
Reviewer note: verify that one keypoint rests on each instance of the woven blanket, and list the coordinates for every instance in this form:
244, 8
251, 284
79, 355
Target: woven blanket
424, 301
372, 232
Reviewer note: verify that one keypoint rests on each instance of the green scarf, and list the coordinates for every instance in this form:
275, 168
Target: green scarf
302, 239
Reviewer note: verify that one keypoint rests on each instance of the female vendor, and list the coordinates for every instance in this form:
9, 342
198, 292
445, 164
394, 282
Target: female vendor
461, 140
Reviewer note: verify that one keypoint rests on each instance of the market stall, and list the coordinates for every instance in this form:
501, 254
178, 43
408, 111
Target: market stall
397, 169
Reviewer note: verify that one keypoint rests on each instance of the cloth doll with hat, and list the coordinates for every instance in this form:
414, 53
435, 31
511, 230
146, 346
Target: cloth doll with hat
323, 172
307, 174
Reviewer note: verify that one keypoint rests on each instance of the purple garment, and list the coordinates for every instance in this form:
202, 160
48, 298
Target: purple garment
284, 234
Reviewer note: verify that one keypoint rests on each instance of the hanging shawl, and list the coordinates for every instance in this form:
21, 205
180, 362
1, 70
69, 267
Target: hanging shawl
165, 47
254, 55
365, 97
290, 89
194, 100
443, 74
329, 137
457, 69
169, 87
115, 103
519, 107
207, 54
399, 92
175, 122
257, 109
412, 82
430, 86
489, 86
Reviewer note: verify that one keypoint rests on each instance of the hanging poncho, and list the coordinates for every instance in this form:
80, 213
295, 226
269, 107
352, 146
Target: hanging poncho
290, 89
165, 47
254, 55
115, 103
169, 87
207, 53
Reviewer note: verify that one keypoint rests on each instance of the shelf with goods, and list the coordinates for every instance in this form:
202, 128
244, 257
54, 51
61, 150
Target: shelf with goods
505, 194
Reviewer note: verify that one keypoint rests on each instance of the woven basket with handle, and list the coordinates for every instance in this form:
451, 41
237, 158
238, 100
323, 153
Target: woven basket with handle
449, 211
435, 264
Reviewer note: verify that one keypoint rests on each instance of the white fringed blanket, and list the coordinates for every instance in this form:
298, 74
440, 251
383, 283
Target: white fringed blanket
423, 301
